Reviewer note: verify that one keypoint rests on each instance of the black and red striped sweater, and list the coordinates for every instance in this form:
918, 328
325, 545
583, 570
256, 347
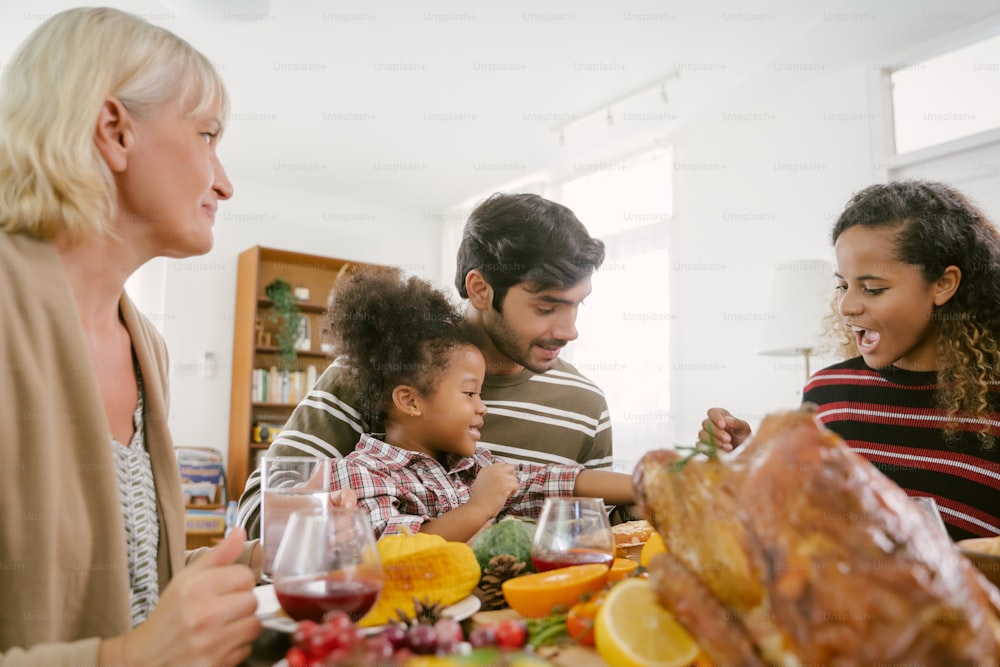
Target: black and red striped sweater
889, 417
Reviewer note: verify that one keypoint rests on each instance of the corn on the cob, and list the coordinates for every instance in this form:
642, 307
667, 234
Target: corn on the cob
443, 573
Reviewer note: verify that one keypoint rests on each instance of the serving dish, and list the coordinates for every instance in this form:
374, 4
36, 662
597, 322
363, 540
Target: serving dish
273, 617
984, 552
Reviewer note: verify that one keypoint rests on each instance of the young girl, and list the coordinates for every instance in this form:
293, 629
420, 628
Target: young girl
918, 292
416, 368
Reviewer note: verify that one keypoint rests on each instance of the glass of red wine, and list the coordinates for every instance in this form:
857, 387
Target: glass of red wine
327, 560
572, 531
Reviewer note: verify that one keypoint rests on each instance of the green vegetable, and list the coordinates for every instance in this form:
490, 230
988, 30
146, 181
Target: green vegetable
510, 535
708, 449
547, 631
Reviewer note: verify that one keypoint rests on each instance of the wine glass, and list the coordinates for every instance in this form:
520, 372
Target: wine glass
928, 506
572, 531
327, 560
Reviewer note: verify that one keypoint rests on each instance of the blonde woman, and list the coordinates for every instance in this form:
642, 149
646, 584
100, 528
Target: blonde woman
108, 135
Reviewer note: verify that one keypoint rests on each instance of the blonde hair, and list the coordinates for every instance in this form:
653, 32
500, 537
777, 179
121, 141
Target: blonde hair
52, 178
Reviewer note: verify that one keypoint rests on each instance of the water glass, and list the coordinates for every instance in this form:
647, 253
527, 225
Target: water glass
288, 483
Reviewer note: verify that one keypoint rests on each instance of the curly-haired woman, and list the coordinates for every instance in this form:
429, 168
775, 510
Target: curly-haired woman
918, 293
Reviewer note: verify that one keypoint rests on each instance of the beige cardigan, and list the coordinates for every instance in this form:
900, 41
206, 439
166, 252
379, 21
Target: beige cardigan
63, 565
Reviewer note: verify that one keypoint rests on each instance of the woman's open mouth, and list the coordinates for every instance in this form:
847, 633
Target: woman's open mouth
866, 340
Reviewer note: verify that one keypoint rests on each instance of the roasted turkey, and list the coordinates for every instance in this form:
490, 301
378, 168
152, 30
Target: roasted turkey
794, 550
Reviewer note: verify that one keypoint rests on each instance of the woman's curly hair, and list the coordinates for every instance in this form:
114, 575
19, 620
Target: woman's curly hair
937, 227
390, 331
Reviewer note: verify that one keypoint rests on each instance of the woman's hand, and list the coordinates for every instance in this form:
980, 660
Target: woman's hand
728, 431
205, 616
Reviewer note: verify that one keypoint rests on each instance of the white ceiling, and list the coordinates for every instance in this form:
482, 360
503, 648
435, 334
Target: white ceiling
425, 105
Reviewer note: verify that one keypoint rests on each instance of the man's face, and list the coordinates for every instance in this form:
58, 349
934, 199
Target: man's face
533, 327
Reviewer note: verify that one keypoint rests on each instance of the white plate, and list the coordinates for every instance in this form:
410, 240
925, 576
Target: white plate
273, 617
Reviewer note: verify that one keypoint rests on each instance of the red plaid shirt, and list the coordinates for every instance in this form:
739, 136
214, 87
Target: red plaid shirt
403, 488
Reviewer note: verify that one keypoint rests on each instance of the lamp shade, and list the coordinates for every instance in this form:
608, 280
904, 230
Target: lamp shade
799, 294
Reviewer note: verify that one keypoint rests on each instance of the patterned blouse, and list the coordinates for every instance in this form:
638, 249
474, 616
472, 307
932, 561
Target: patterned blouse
142, 527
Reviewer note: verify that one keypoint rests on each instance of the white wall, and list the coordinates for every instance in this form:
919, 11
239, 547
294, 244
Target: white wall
193, 299
756, 184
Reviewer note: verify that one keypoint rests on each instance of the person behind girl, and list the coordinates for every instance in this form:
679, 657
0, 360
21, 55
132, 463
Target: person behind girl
417, 368
918, 292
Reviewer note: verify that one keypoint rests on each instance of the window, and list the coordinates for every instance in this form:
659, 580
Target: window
625, 324
947, 97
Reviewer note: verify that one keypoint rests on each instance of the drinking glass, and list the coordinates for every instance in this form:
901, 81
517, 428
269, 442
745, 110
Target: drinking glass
572, 531
929, 507
327, 560
288, 483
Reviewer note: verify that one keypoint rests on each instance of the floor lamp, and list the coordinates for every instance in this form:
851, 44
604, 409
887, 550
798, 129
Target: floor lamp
799, 294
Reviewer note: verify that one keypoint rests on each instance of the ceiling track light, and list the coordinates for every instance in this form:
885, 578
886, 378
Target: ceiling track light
605, 109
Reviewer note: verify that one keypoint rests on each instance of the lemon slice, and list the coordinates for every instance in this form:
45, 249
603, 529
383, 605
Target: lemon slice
633, 630
654, 545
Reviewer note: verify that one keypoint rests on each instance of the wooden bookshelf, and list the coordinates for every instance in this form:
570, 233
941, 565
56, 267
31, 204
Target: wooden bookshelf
255, 347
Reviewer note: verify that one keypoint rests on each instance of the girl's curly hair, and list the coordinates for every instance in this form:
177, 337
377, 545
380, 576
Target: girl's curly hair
937, 227
390, 331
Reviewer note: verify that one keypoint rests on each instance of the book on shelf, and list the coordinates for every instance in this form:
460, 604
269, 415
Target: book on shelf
205, 520
269, 385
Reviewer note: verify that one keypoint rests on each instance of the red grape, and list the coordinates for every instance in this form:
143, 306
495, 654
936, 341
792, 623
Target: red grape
448, 630
483, 636
422, 639
395, 635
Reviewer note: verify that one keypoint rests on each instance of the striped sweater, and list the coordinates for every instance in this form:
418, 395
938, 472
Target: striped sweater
556, 417
889, 417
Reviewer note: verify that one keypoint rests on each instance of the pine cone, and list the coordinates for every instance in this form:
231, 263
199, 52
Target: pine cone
500, 569
424, 611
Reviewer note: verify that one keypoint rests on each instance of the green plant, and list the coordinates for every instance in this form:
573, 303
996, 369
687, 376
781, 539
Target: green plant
286, 313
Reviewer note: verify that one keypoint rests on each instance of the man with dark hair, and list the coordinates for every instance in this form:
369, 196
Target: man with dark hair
525, 265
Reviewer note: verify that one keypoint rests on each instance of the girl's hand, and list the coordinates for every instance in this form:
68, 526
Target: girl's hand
344, 498
727, 431
493, 486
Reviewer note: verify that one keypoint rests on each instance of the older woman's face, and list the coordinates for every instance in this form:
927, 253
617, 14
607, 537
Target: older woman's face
169, 192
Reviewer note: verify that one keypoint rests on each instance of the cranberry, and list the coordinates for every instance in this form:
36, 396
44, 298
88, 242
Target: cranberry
511, 633
303, 632
376, 649
335, 618
296, 657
